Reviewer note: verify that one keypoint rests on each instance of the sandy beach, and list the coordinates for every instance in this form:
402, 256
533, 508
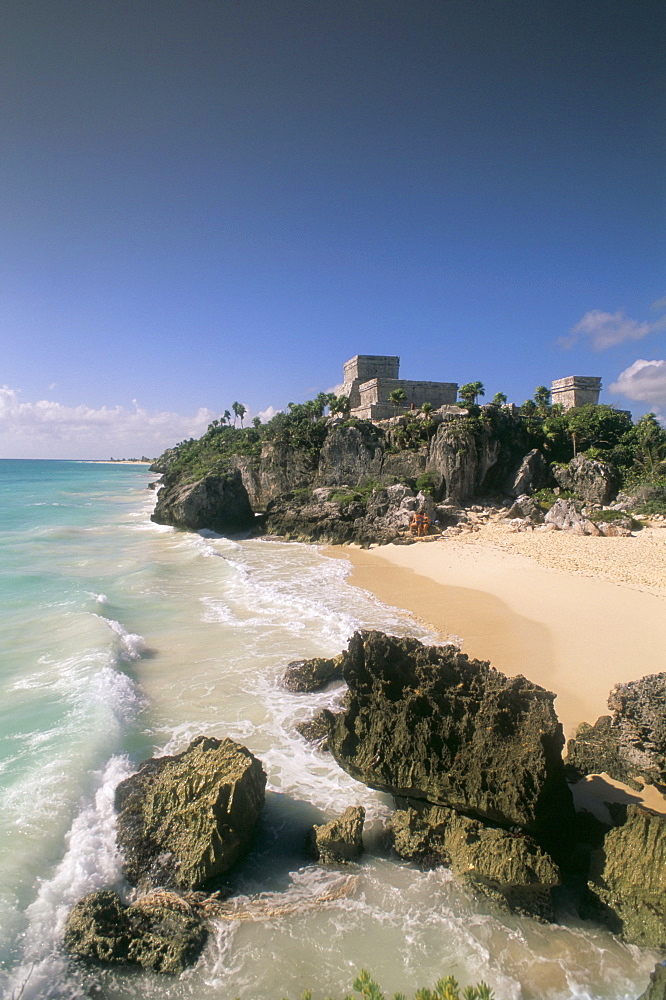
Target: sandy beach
574, 614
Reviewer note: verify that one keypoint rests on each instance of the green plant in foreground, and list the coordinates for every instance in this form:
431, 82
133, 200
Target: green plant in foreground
444, 989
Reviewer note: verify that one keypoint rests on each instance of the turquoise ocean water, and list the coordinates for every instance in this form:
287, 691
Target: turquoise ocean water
120, 639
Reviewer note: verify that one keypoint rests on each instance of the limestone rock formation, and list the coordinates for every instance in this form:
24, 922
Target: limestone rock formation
428, 723
509, 868
185, 820
340, 840
350, 455
525, 506
150, 934
313, 674
218, 502
532, 474
628, 876
343, 515
565, 517
588, 478
631, 744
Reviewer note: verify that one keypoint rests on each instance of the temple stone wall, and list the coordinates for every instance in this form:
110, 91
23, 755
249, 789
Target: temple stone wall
576, 390
375, 403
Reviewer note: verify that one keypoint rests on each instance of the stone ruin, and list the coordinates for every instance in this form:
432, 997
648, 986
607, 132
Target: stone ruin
369, 379
576, 390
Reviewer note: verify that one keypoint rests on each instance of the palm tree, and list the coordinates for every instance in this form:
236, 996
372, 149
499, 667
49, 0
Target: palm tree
499, 399
340, 405
239, 411
468, 393
427, 408
542, 398
397, 398
226, 417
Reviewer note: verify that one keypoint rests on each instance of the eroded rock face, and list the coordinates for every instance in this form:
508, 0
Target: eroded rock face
428, 723
312, 675
532, 474
340, 840
589, 479
509, 868
218, 502
629, 745
185, 820
152, 935
628, 875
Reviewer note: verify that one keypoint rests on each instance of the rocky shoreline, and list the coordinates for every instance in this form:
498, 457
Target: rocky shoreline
474, 762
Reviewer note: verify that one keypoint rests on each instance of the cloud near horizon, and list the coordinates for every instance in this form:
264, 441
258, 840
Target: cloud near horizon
645, 382
603, 330
46, 429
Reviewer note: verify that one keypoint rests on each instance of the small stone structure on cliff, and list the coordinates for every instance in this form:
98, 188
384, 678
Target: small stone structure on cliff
370, 378
576, 390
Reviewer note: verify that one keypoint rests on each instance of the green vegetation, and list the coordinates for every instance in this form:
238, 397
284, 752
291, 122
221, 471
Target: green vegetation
608, 516
397, 397
426, 484
470, 392
444, 989
546, 498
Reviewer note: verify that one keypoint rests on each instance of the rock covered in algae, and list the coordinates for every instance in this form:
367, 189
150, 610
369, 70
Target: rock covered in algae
509, 868
186, 819
427, 723
312, 675
341, 839
628, 876
657, 986
152, 935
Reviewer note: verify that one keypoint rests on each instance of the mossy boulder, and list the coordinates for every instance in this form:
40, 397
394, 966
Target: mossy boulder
340, 840
185, 820
150, 934
428, 723
313, 674
628, 877
657, 986
507, 867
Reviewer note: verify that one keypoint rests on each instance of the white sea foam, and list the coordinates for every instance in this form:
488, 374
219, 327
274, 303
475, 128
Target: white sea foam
131, 645
91, 862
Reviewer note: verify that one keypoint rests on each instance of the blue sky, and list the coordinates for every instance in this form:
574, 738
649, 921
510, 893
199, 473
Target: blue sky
205, 201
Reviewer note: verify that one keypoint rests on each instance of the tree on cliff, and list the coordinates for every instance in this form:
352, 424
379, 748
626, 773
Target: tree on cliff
499, 399
239, 411
397, 398
469, 392
542, 398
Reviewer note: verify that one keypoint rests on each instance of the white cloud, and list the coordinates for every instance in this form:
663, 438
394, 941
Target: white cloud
46, 429
603, 330
644, 381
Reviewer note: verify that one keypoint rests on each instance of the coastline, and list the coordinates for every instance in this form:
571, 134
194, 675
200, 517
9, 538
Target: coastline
509, 599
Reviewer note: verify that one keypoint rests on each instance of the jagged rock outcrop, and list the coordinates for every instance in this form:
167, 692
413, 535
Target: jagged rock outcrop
314, 730
525, 507
313, 674
631, 744
150, 933
185, 820
461, 459
532, 474
628, 876
509, 868
218, 502
343, 515
564, 516
340, 840
588, 478
428, 723
350, 455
